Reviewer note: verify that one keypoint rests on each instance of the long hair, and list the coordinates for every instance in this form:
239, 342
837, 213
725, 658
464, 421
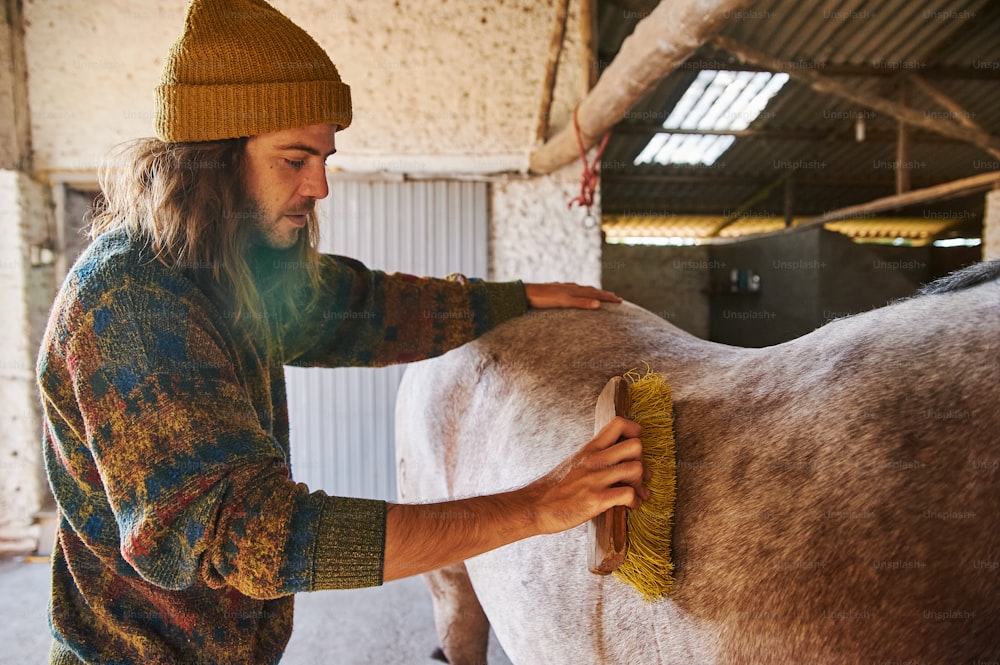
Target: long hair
188, 202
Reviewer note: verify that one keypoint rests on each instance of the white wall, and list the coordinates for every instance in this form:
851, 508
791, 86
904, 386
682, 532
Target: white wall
536, 237
437, 87
24, 291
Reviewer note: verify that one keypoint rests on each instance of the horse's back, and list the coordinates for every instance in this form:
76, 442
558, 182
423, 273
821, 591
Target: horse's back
836, 499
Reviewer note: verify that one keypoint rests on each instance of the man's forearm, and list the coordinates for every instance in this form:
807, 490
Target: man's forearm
606, 472
424, 537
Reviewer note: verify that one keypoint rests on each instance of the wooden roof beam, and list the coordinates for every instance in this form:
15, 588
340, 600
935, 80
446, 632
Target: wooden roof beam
948, 190
698, 63
610, 174
660, 42
785, 134
956, 110
825, 84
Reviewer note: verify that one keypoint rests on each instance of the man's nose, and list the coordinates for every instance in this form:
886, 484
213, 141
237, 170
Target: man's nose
314, 185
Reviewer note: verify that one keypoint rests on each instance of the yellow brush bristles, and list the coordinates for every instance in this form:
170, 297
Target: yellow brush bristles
647, 565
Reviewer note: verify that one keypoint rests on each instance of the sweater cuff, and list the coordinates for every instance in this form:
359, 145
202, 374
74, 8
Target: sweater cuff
60, 654
350, 544
507, 300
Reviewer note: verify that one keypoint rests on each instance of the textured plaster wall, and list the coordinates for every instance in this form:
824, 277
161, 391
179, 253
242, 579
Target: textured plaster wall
92, 67
534, 237
26, 290
438, 85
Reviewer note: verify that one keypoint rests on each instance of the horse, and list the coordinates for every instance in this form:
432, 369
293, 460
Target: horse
836, 495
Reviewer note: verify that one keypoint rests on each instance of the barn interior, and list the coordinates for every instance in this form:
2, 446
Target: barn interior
762, 168
771, 181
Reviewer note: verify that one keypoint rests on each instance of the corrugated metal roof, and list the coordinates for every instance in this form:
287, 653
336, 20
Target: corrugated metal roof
872, 46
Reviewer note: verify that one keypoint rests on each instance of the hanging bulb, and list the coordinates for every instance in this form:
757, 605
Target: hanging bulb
859, 129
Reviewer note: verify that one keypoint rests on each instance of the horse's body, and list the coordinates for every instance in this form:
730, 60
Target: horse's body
837, 495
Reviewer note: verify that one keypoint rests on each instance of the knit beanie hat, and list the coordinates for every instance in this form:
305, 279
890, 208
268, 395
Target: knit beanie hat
242, 68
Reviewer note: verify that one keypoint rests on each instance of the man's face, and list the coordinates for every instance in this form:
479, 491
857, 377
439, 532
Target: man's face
285, 175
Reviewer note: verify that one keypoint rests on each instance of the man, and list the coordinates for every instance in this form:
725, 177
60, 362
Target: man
182, 536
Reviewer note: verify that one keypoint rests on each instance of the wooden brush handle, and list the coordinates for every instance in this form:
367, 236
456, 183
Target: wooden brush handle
606, 534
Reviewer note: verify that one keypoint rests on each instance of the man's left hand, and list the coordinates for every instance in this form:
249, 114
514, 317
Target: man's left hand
544, 296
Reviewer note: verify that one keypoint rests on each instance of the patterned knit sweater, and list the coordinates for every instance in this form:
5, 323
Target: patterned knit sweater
182, 535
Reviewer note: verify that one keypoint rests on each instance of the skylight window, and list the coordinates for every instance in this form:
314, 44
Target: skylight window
715, 100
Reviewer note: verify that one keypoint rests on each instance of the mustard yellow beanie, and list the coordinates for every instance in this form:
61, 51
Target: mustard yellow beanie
242, 68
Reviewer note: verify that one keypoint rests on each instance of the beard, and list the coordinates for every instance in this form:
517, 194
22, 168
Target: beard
279, 255
275, 231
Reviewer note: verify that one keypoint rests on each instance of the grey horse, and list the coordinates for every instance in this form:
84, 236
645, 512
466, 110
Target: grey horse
837, 495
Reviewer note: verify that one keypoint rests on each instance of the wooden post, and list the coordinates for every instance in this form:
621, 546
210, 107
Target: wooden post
15, 115
902, 146
555, 53
588, 37
789, 201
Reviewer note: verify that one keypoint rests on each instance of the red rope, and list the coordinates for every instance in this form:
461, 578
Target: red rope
591, 174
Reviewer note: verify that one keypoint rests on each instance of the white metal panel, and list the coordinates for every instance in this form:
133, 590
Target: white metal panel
342, 419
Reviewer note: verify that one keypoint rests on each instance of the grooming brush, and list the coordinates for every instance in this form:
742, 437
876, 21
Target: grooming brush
635, 544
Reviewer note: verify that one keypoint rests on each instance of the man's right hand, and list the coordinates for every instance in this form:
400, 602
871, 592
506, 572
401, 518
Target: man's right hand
606, 472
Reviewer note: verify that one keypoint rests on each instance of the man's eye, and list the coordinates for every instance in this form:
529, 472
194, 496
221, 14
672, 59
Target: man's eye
295, 163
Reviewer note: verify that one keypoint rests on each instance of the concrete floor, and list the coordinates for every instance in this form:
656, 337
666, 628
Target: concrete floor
388, 625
